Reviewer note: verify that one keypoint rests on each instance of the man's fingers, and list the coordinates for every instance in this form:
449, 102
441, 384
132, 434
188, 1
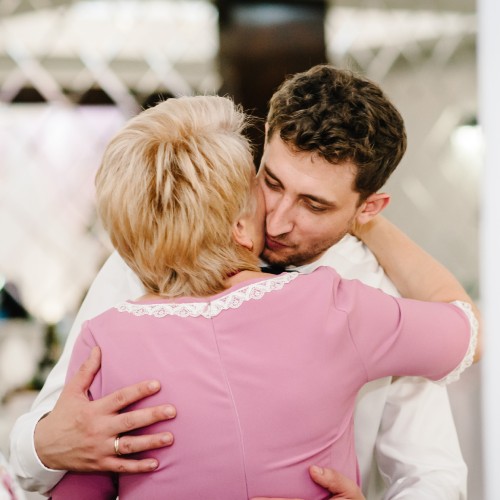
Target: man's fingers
135, 444
136, 419
129, 466
83, 378
324, 477
272, 498
340, 486
118, 400
336, 483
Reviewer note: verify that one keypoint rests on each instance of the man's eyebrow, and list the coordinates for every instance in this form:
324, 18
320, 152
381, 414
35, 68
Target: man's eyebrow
311, 197
268, 172
319, 200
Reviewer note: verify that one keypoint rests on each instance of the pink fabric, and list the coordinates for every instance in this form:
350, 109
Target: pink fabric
265, 390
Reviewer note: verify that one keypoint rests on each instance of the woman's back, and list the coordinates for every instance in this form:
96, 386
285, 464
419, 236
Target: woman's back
264, 378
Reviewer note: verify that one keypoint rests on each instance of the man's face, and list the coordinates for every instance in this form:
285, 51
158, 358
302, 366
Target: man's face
257, 220
310, 203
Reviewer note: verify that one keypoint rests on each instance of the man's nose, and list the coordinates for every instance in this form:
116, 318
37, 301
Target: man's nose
279, 218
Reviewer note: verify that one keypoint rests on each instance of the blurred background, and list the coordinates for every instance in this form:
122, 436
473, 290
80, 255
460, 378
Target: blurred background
71, 73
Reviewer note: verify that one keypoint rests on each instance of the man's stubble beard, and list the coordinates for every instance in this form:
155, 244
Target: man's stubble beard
306, 256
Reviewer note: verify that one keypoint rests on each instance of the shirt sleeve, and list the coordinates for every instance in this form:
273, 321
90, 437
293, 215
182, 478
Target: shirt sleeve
417, 450
114, 283
397, 336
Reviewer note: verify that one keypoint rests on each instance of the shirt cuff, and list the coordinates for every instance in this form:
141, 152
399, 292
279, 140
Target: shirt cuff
32, 474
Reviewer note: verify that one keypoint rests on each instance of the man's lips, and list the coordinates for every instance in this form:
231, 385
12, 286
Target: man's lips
274, 245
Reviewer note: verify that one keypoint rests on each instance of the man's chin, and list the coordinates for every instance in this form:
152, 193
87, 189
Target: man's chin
292, 259
273, 259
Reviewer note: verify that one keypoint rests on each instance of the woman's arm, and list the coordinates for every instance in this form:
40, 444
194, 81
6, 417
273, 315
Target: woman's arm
95, 486
415, 273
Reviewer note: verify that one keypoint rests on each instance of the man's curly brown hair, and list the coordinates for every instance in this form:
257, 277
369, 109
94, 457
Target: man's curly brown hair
341, 117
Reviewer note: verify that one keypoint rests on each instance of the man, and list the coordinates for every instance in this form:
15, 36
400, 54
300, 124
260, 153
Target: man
332, 140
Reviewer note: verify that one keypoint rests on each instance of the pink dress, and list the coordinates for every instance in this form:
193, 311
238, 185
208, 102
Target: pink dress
264, 377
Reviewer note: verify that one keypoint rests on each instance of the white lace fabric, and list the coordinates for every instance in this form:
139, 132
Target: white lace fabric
468, 359
256, 291
210, 309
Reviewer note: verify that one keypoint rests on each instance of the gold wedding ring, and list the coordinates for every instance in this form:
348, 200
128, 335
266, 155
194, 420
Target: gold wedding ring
117, 446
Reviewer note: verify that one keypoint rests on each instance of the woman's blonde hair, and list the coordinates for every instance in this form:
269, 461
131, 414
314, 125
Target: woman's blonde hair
170, 187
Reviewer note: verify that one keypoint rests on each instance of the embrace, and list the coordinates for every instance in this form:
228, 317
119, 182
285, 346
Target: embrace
260, 371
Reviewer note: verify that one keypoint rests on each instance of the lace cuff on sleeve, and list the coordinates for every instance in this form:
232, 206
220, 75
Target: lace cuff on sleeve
469, 355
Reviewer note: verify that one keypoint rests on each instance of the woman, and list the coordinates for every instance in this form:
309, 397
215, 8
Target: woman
274, 362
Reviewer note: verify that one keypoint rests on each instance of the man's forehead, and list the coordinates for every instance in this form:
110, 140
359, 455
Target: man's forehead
309, 170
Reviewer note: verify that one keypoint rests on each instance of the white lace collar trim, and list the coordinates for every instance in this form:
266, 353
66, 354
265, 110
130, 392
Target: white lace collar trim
232, 300
469, 355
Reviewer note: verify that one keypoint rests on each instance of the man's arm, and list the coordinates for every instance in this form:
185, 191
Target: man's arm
74, 417
113, 284
417, 449
414, 443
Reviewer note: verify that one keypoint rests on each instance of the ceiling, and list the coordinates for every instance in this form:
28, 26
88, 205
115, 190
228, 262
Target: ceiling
64, 49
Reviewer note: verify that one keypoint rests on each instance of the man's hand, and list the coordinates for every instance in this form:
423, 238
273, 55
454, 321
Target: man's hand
340, 486
79, 434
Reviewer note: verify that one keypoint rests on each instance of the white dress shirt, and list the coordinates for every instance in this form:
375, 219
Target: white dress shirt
406, 439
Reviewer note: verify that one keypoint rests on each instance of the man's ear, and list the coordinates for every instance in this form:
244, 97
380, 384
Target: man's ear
372, 206
241, 234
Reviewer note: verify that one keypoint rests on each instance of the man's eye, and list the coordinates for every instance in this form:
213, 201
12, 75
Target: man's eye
271, 185
316, 209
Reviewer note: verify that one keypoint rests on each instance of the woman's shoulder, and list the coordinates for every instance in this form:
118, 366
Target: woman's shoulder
324, 273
